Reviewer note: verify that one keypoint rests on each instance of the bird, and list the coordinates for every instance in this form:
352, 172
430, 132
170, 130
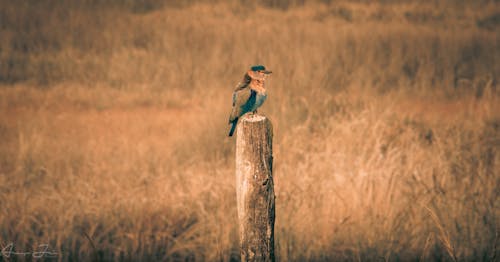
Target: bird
249, 94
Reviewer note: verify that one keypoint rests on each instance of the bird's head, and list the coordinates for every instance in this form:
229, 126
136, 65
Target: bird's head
258, 72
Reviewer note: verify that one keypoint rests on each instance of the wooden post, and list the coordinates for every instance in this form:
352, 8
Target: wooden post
255, 188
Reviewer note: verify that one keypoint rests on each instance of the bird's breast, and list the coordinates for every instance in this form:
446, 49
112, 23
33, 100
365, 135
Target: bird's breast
259, 99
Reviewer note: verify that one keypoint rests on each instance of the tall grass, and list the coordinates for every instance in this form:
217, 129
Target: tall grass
113, 125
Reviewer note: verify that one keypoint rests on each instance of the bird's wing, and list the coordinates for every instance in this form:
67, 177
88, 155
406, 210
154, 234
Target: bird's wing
240, 98
240, 87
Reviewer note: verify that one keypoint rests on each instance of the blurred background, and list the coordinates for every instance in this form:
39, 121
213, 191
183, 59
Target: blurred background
386, 115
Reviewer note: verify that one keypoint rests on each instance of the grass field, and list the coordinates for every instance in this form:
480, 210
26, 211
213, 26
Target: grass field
386, 115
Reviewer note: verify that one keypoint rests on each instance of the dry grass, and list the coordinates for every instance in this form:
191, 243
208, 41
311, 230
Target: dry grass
113, 124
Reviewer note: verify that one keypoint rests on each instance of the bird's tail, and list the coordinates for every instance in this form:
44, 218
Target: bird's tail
233, 127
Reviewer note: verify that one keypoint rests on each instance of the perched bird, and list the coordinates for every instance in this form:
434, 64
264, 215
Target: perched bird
249, 94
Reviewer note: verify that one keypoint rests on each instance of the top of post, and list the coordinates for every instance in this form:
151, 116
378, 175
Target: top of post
253, 118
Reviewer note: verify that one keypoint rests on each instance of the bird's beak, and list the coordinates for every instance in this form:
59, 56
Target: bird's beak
267, 72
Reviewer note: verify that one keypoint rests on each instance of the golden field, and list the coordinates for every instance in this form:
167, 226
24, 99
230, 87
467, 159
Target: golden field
386, 114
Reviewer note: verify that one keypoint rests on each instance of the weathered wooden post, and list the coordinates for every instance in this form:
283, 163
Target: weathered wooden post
255, 188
